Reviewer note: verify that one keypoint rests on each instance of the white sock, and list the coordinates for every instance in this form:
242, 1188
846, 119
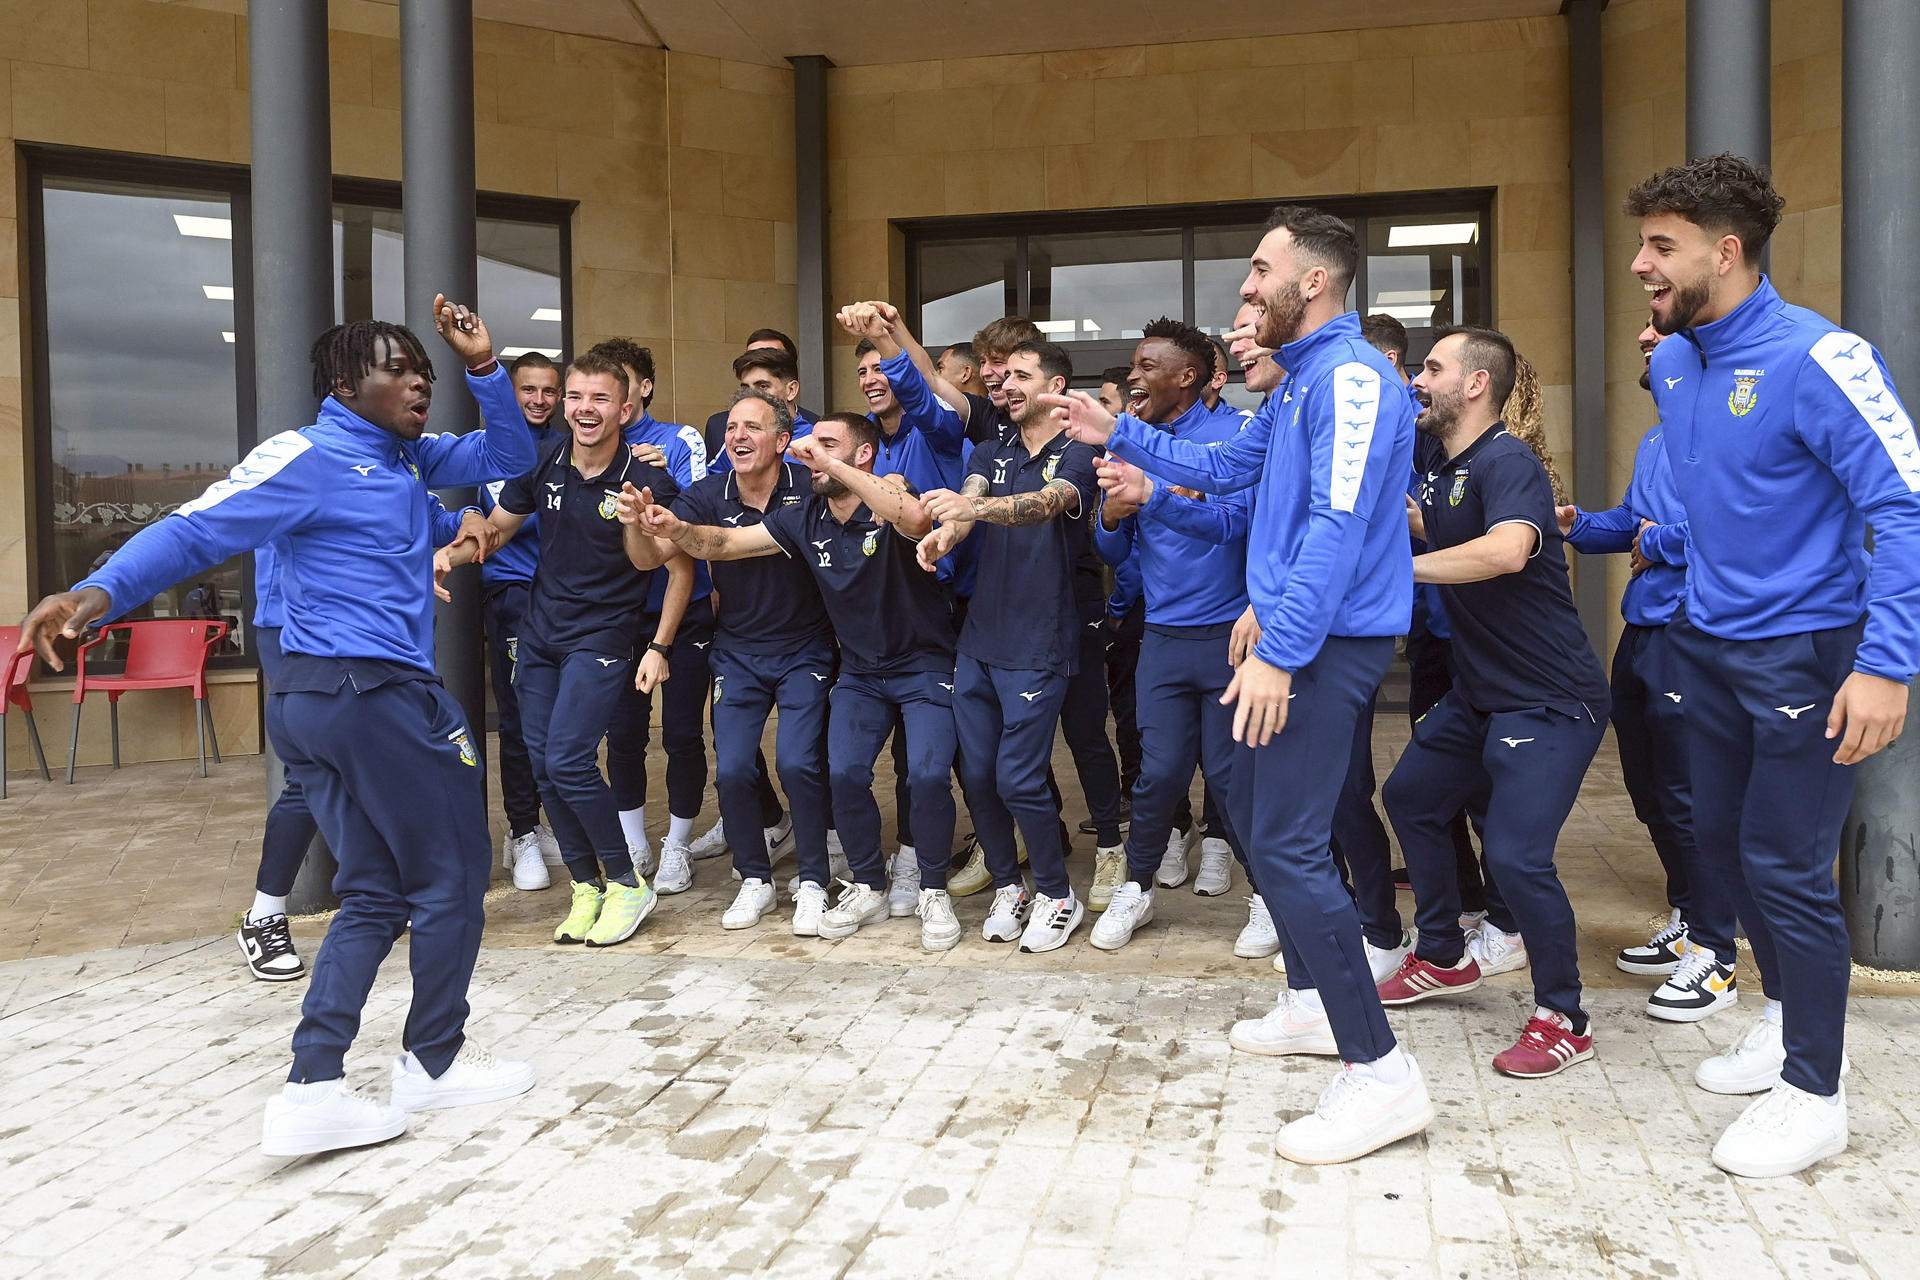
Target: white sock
634, 823
264, 905
1309, 997
411, 1065
1391, 1067
909, 854
312, 1091
1775, 1014
679, 830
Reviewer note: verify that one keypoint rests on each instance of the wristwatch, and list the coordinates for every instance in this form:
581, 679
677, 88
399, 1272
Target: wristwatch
664, 650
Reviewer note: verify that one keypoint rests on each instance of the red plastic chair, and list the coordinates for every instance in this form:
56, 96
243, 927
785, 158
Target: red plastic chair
18, 668
166, 653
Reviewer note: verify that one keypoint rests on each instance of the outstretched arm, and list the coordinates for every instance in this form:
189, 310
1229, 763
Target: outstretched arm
971, 504
889, 498
700, 541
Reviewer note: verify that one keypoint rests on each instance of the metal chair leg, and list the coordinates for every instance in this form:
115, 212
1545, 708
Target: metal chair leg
200, 731
113, 721
213, 735
73, 744
39, 752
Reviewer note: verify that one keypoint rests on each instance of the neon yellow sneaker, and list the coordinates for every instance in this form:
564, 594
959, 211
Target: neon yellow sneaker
621, 913
586, 910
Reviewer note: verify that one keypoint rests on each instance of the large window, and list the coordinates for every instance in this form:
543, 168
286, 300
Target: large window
142, 354
1091, 280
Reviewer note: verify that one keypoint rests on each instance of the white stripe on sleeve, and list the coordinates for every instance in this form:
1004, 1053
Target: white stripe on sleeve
266, 461
1848, 359
1356, 410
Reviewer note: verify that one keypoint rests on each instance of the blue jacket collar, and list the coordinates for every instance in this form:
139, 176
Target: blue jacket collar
335, 414
1295, 355
1740, 326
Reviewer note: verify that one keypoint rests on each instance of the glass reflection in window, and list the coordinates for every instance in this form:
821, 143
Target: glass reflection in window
1102, 286
963, 284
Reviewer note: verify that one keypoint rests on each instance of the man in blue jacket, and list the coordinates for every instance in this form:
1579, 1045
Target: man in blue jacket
383, 752
1330, 581
1786, 439
1649, 715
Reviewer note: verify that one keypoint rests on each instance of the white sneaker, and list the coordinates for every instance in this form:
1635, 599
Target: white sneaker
1292, 1027
1109, 873
1752, 1065
675, 873
779, 838
1215, 876
859, 904
1495, 950
1358, 1113
837, 868
809, 904
1173, 863
1699, 987
473, 1076
646, 863
1007, 916
710, 843
1052, 923
1259, 938
754, 900
939, 927
549, 847
903, 877
1384, 961
1130, 907
1471, 920
1783, 1132
304, 1118
528, 866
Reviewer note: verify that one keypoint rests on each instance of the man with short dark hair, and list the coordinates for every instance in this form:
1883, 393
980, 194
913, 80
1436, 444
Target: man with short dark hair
959, 364
1525, 715
1385, 334
715, 435
1787, 439
1330, 581
1216, 384
1025, 497
993, 344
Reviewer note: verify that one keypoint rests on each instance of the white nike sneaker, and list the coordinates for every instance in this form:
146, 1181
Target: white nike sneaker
859, 904
549, 847
809, 904
303, 1119
1383, 962
646, 862
779, 839
837, 868
1215, 876
939, 927
710, 843
1052, 923
1782, 1132
1751, 1065
675, 874
473, 1076
1292, 1027
754, 900
1128, 909
1259, 938
1007, 916
1698, 987
1172, 872
903, 877
1495, 950
528, 866
1358, 1113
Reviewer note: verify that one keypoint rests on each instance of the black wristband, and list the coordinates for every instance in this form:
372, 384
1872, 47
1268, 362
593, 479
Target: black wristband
664, 650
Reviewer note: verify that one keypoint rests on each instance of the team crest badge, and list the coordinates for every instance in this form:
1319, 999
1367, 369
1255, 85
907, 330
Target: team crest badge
1459, 490
871, 544
716, 691
415, 471
467, 755
609, 505
1053, 465
1744, 396
513, 651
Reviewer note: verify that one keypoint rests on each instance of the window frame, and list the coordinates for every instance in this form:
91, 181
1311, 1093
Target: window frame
40, 162
1187, 220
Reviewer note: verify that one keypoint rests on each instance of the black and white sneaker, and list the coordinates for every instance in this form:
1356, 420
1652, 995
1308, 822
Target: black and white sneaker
1699, 986
268, 947
1659, 955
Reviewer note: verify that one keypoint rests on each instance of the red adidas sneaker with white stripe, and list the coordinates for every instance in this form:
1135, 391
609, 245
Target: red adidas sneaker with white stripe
1418, 979
1545, 1048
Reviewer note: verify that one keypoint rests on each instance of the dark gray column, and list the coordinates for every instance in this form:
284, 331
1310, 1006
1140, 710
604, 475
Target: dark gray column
436, 137
292, 204
1880, 277
810, 213
1730, 78
1589, 224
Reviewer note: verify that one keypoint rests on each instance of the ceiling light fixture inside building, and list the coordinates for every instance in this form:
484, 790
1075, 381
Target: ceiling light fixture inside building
547, 313
218, 292
205, 228
1415, 237
514, 353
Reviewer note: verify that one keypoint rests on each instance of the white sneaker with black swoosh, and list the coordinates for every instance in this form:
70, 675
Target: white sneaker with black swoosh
1698, 988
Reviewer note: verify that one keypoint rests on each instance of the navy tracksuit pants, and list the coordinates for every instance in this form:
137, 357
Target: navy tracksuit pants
290, 824
1122, 664
683, 714
394, 778
1429, 677
1282, 797
1181, 674
1360, 845
746, 689
1649, 726
1003, 719
1768, 806
1530, 762
1083, 723
864, 707
505, 612
567, 701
